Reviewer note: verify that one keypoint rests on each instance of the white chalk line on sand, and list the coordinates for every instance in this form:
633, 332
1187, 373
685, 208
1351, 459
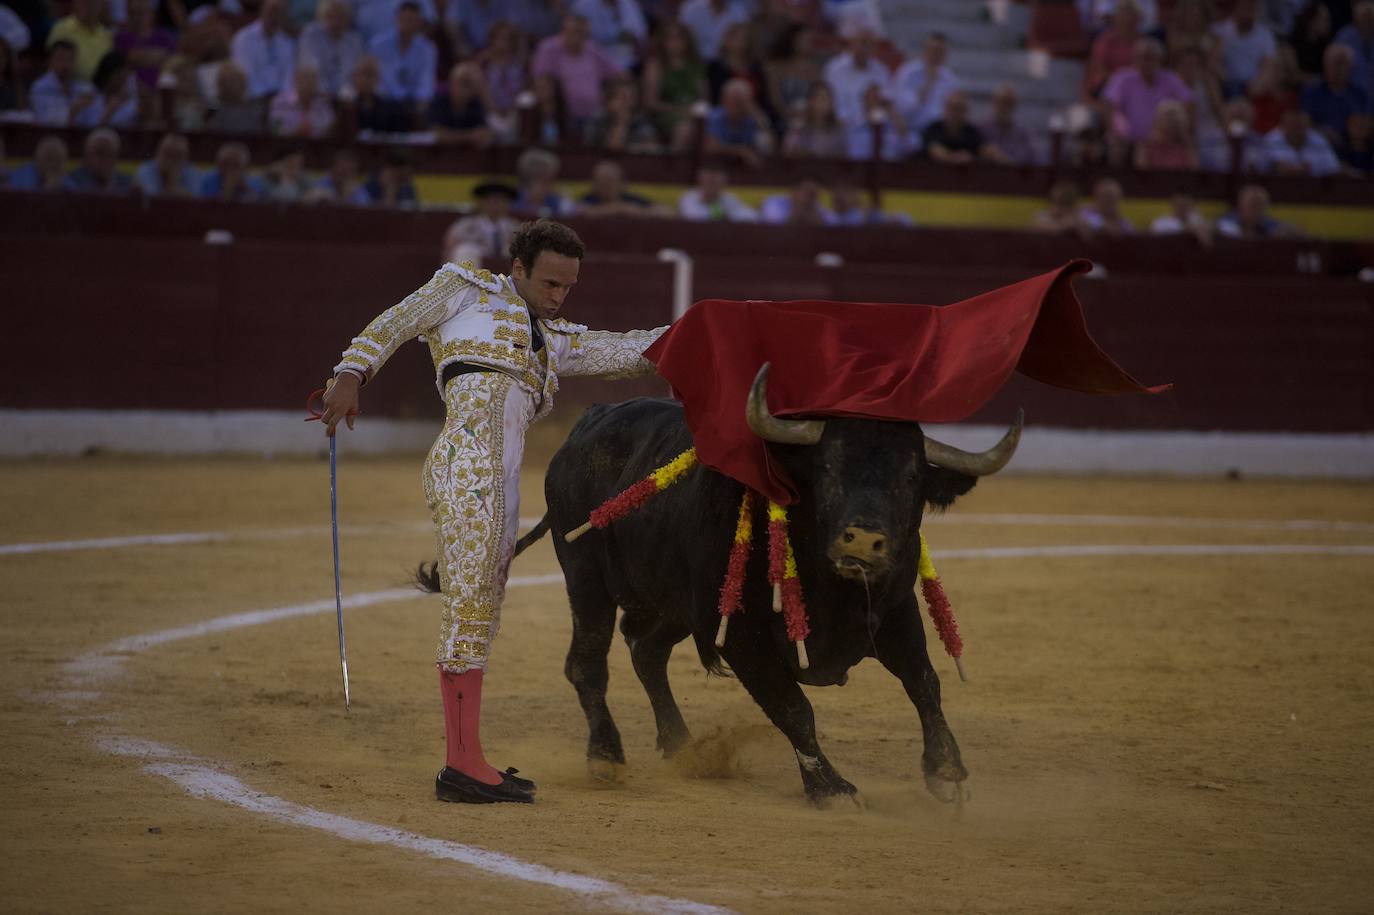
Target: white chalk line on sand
989, 518
206, 779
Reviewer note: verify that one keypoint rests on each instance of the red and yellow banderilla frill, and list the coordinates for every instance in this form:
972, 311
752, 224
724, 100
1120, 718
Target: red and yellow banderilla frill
937, 605
617, 507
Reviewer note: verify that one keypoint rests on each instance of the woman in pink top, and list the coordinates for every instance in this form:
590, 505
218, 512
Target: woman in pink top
1171, 146
1113, 49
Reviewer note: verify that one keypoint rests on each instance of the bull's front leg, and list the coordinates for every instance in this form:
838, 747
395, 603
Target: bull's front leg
901, 644
753, 658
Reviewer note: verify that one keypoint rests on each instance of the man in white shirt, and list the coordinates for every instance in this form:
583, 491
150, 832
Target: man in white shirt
332, 46
58, 97
1245, 43
409, 59
922, 86
708, 20
1293, 148
709, 201
377, 17
264, 51
850, 74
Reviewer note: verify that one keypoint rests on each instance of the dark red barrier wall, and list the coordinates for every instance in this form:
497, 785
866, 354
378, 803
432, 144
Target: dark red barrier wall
160, 323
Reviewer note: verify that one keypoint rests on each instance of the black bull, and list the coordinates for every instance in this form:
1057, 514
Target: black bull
863, 484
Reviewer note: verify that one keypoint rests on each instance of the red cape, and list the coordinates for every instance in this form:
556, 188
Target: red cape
916, 363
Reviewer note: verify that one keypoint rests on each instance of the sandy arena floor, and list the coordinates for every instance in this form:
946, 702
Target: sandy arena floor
1145, 733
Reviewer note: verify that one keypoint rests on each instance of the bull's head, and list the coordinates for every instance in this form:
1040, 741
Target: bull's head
865, 482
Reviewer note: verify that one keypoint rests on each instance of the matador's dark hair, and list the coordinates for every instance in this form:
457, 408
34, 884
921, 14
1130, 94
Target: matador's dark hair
545, 235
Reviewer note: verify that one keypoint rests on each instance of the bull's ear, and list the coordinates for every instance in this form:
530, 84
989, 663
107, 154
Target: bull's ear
943, 486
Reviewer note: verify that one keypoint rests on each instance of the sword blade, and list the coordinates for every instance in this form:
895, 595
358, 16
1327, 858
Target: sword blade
338, 586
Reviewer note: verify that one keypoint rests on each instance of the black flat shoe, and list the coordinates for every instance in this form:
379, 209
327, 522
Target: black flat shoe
456, 788
524, 784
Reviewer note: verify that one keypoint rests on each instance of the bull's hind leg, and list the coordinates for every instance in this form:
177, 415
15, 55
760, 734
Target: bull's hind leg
593, 614
776, 691
651, 641
901, 643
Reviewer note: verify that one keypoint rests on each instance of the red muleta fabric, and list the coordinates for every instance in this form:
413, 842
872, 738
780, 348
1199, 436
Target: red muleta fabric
916, 363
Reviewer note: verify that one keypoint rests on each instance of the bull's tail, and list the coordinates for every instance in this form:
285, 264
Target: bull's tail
427, 574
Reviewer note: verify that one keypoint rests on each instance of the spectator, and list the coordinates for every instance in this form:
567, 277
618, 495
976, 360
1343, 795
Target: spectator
1191, 66
550, 109
616, 25
1215, 152
737, 127
674, 81
735, 62
1312, 32
536, 18
375, 112
188, 111
264, 51
1114, 49
169, 173
302, 110
1007, 141
375, 18
1134, 93
1270, 95
1170, 145
921, 87
470, 24
1331, 102
230, 179
1293, 148
816, 131
47, 171
332, 46
537, 172
622, 126
457, 115
1190, 29
234, 112
143, 44
1104, 215
799, 207
880, 112
88, 37
1183, 218
1356, 152
708, 20
408, 59
1062, 214
394, 183
14, 33
1280, 14
1358, 36
1244, 43
952, 140
286, 180
1098, 15
579, 65
486, 234
850, 74
607, 195
850, 206
709, 201
60, 97
11, 89
504, 72
341, 183
1251, 219
99, 169
793, 69
118, 106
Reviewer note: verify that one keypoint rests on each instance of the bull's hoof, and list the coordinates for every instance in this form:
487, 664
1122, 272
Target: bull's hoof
946, 790
606, 772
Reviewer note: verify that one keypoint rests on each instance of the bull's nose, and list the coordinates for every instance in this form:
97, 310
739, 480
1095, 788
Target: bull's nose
868, 547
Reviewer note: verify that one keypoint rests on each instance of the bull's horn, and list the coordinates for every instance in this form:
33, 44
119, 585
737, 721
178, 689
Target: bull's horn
980, 463
768, 427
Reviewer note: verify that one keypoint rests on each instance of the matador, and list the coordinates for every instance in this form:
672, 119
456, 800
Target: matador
498, 352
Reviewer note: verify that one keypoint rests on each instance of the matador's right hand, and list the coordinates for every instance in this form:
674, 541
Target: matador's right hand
340, 401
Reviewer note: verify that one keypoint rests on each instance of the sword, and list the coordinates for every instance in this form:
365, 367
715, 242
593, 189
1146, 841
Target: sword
334, 530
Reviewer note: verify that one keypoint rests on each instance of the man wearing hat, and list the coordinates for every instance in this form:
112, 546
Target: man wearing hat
486, 234
498, 351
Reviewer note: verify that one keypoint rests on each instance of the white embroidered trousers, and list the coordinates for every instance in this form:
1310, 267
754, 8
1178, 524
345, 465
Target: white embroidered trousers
472, 486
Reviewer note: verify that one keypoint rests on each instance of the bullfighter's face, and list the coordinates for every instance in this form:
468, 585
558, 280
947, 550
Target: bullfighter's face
545, 285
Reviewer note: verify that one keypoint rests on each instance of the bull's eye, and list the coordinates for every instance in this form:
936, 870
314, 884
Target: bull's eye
848, 537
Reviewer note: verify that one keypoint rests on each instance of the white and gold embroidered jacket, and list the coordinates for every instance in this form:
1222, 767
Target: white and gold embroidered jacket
468, 314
